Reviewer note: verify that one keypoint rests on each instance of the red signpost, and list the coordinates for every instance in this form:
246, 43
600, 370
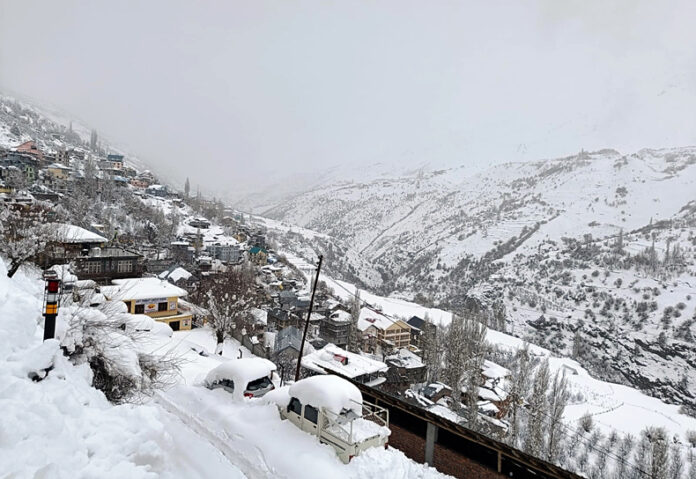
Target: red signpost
51, 298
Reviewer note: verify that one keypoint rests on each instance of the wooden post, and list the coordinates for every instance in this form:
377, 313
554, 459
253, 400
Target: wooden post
306, 326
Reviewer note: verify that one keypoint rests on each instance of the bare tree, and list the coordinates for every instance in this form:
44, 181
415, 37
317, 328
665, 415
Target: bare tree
676, 466
557, 401
23, 234
622, 466
538, 407
519, 390
465, 347
354, 332
433, 351
230, 297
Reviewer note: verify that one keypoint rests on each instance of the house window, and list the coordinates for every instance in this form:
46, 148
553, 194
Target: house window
311, 414
162, 306
94, 267
125, 266
139, 309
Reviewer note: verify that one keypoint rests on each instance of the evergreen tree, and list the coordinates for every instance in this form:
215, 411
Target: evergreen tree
187, 188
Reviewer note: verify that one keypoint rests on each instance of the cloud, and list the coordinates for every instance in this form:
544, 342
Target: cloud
236, 94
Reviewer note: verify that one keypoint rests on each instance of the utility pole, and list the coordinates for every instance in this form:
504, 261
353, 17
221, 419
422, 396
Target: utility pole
309, 314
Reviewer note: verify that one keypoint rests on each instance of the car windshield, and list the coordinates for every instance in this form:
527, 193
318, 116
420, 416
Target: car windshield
262, 383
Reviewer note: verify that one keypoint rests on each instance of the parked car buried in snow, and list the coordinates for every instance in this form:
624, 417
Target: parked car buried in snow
246, 377
332, 409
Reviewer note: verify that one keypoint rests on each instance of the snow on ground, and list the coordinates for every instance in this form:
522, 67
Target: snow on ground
61, 427
251, 430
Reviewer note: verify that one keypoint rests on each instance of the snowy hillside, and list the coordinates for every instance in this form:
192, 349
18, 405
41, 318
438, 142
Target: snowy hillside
517, 235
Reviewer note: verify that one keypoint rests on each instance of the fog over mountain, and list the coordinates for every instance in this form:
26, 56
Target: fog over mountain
237, 95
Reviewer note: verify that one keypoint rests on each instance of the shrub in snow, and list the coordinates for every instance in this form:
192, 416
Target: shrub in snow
586, 422
119, 369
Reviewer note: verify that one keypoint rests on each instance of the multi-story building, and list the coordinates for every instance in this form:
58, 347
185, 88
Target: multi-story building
154, 297
335, 328
382, 332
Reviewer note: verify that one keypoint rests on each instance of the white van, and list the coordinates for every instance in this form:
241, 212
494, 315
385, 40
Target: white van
246, 377
332, 409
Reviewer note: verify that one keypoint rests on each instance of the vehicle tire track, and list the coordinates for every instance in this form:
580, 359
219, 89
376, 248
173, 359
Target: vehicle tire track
252, 470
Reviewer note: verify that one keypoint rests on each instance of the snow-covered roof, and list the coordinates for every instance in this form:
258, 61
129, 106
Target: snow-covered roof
330, 392
241, 372
369, 318
342, 316
260, 315
494, 371
331, 358
176, 274
142, 288
66, 233
404, 358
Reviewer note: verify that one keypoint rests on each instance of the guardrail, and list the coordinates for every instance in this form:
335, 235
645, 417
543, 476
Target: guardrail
499, 458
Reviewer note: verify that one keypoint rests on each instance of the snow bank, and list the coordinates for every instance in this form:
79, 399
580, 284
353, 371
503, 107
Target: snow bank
330, 392
56, 425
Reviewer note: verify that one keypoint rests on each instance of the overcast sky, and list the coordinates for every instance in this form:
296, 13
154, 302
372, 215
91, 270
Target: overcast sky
233, 93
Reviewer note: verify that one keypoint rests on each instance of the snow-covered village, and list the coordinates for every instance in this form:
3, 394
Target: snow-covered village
168, 312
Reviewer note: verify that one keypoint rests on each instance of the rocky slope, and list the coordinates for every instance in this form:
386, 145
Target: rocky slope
579, 251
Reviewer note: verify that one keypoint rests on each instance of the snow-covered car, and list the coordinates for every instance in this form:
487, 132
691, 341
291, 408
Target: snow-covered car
246, 377
333, 409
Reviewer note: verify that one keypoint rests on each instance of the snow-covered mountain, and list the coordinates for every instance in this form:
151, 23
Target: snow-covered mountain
539, 237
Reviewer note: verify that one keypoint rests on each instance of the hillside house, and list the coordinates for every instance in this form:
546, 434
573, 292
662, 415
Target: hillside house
419, 329
28, 165
227, 253
405, 368
258, 255
154, 297
71, 241
335, 328
157, 190
30, 148
114, 162
105, 264
383, 333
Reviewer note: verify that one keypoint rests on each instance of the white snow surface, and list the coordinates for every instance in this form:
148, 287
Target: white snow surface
61, 427
75, 234
176, 274
142, 288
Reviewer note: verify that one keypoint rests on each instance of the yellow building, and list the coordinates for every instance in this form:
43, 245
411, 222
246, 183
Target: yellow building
58, 171
153, 297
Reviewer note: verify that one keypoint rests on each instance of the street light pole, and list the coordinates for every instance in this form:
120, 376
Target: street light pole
309, 314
